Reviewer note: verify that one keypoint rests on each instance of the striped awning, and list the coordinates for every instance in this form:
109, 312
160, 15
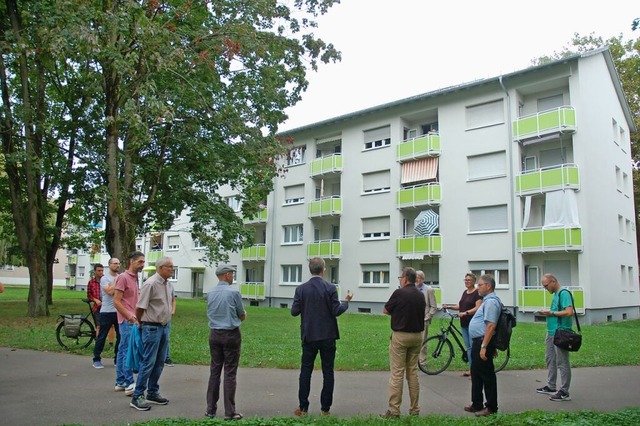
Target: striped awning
421, 170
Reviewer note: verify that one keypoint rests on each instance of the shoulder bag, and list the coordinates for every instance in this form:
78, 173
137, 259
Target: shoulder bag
568, 339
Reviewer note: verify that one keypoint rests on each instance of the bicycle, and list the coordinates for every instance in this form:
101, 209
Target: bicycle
75, 331
440, 352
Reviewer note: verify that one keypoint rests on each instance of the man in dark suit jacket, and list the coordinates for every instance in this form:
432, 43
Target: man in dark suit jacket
317, 301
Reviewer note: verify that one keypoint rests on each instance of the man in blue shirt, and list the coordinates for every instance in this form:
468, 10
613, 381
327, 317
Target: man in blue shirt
481, 330
559, 316
225, 313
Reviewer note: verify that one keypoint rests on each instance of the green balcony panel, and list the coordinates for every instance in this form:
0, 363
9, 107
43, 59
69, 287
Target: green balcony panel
73, 259
261, 217
566, 176
326, 165
418, 247
153, 256
554, 239
71, 281
253, 291
95, 258
330, 206
255, 252
537, 298
561, 119
419, 195
422, 146
327, 249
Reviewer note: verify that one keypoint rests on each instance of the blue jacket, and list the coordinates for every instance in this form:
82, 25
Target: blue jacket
135, 350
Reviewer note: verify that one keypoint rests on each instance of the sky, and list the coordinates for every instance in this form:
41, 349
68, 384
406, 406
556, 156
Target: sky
395, 49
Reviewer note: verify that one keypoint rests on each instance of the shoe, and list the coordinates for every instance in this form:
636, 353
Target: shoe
324, 413
128, 391
389, 415
546, 389
236, 416
560, 396
157, 399
168, 362
471, 409
97, 364
140, 404
299, 412
210, 415
484, 412
120, 387
466, 374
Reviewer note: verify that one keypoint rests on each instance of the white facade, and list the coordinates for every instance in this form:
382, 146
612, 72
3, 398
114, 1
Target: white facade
527, 173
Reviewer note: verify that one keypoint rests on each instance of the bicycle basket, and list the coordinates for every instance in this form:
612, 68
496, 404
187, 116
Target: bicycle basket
72, 325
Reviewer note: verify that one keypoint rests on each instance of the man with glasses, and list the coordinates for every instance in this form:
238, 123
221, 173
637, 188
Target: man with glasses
407, 307
153, 313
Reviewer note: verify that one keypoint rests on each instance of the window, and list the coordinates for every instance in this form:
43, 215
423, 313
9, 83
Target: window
174, 277
550, 102
80, 271
616, 133
530, 163
618, 179
375, 228
621, 230
294, 194
291, 274
629, 230
499, 269
376, 182
377, 138
625, 183
631, 276
531, 276
488, 219
197, 244
487, 165
296, 156
233, 202
173, 242
375, 274
292, 234
486, 114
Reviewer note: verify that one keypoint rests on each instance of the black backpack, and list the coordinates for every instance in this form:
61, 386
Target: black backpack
506, 322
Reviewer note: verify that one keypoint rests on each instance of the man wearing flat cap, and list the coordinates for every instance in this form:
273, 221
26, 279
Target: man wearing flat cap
225, 313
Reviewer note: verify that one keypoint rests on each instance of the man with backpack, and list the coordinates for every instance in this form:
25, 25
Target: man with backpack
481, 330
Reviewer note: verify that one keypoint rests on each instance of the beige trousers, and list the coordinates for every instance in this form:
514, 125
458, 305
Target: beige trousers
403, 359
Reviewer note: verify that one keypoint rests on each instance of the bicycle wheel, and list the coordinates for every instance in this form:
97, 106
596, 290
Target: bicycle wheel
83, 340
439, 355
501, 360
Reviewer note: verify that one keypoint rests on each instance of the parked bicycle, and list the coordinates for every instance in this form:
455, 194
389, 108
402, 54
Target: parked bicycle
440, 352
76, 331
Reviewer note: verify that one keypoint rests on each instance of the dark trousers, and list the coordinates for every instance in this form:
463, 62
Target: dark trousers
224, 346
327, 349
483, 377
107, 319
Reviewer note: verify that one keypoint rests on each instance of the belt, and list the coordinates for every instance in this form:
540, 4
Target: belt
155, 324
478, 338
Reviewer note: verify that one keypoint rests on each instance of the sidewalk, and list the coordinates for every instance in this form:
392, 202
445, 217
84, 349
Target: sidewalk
43, 388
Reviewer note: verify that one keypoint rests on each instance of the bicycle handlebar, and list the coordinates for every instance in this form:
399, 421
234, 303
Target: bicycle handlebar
448, 312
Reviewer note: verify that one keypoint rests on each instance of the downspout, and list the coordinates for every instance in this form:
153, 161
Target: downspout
512, 191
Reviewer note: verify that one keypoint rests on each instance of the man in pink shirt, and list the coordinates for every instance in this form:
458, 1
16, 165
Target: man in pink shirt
125, 300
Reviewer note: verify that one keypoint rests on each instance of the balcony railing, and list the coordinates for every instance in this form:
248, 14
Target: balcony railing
261, 217
255, 252
564, 176
413, 247
418, 147
252, 290
327, 206
95, 258
537, 298
562, 119
541, 240
71, 281
153, 256
419, 195
326, 165
328, 249
73, 259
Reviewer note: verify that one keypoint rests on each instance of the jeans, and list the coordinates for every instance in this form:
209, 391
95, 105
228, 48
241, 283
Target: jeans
154, 351
224, 346
168, 355
483, 377
557, 359
327, 349
124, 375
404, 350
107, 319
467, 342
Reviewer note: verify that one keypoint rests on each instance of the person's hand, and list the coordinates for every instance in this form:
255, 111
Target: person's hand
483, 354
545, 312
349, 296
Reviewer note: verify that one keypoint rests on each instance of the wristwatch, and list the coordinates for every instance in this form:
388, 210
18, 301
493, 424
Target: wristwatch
483, 346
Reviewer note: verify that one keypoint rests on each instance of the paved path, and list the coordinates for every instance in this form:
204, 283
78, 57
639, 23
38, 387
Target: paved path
45, 388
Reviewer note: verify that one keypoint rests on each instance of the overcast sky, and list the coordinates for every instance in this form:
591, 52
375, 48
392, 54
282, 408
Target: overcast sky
394, 49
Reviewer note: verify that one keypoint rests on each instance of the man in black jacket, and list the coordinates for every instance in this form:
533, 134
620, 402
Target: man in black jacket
317, 301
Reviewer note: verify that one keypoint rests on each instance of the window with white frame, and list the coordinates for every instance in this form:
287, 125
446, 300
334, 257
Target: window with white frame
197, 244
621, 230
174, 277
81, 271
291, 274
297, 155
632, 278
294, 194
616, 132
233, 202
377, 138
489, 165
486, 114
173, 242
292, 234
375, 228
375, 274
488, 219
499, 270
379, 181
625, 183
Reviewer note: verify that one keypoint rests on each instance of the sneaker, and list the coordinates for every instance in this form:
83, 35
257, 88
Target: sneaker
140, 404
236, 416
210, 415
546, 389
120, 387
157, 399
128, 391
324, 413
389, 415
97, 364
168, 362
300, 413
560, 396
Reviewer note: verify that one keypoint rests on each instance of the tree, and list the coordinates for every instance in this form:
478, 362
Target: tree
135, 110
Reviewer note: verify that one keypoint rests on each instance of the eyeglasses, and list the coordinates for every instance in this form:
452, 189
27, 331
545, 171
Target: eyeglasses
400, 277
168, 266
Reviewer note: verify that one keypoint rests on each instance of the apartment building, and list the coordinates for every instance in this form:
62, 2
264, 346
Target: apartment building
517, 176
